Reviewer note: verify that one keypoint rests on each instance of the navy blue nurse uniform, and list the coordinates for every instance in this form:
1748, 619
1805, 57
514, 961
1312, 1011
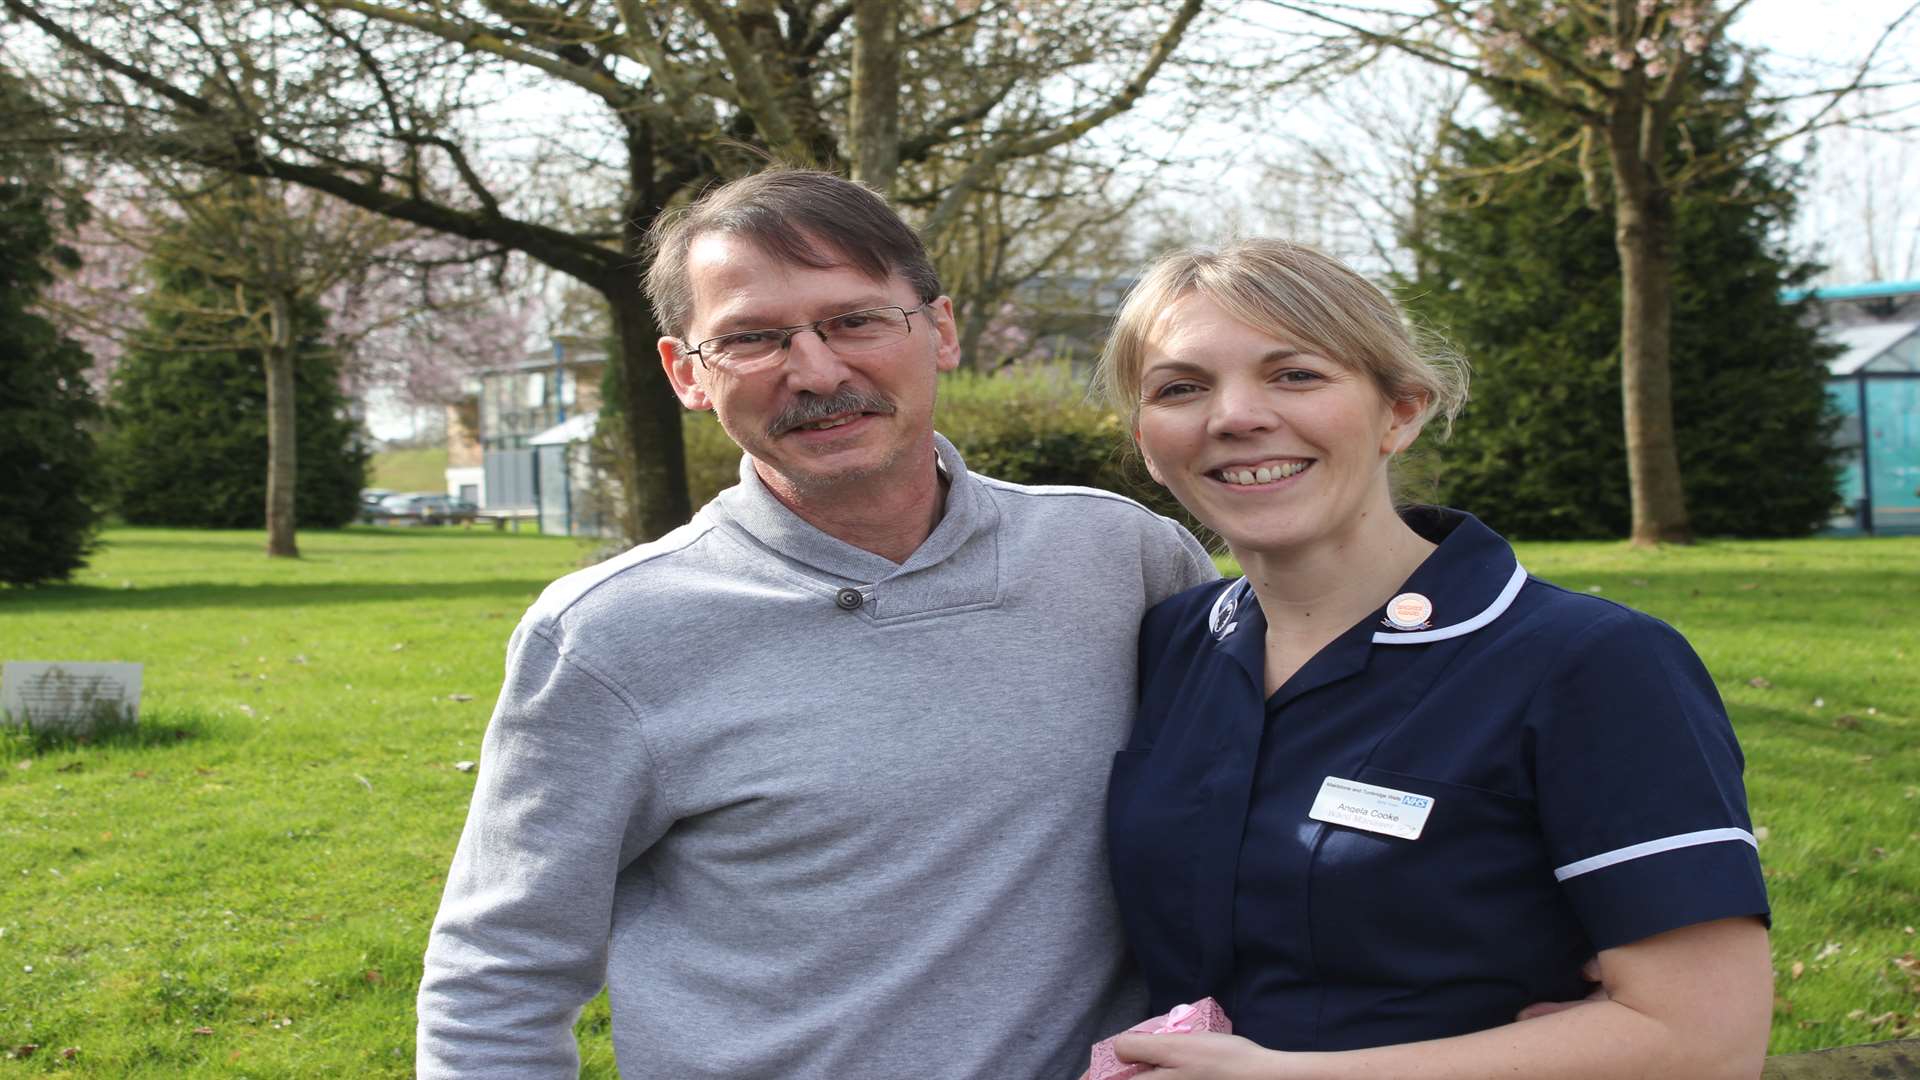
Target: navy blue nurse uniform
1581, 778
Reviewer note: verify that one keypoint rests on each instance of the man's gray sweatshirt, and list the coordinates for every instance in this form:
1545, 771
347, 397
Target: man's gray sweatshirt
799, 836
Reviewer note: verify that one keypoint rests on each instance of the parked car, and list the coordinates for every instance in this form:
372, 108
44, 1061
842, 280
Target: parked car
370, 499
429, 508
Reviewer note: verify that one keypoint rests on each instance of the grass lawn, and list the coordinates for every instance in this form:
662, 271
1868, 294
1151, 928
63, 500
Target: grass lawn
419, 469
245, 889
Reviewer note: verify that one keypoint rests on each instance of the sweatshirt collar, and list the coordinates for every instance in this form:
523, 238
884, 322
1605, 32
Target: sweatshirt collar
754, 509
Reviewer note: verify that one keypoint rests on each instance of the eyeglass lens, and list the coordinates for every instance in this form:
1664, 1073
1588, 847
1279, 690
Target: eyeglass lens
855, 331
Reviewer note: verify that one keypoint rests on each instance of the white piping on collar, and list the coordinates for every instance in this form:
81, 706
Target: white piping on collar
1492, 612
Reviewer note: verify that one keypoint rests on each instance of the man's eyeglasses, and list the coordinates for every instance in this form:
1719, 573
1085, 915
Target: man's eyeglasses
855, 332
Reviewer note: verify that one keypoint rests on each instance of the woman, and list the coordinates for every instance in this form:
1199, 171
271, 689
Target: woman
1387, 789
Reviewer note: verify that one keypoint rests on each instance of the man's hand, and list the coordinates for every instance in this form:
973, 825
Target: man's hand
1199, 1056
1589, 971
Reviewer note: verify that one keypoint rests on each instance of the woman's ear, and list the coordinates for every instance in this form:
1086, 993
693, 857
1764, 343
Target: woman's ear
1409, 416
1152, 469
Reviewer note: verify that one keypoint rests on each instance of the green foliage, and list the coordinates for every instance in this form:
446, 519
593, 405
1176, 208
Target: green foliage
188, 443
49, 468
1523, 276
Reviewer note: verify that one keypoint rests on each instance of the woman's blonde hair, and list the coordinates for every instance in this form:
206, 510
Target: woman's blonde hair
1299, 295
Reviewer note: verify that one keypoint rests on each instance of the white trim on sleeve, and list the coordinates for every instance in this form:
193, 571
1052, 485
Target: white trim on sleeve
1652, 847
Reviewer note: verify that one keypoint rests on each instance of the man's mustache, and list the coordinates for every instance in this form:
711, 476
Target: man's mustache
811, 408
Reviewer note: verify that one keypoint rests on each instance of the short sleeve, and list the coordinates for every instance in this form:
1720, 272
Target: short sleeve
1638, 777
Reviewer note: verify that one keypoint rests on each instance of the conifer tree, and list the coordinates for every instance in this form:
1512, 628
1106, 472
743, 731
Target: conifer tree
189, 422
1519, 269
48, 465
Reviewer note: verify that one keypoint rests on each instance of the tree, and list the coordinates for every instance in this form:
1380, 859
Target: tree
190, 425
1616, 77
383, 103
48, 464
241, 259
1521, 272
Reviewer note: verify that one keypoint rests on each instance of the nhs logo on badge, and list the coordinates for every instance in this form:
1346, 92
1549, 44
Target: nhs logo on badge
1418, 802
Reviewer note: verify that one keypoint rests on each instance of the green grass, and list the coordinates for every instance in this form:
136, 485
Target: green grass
263, 858
420, 469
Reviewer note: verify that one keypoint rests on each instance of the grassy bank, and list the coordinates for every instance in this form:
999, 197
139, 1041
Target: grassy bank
417, 469
244, 890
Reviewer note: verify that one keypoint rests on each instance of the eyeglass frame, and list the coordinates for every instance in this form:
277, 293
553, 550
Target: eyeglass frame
787, 333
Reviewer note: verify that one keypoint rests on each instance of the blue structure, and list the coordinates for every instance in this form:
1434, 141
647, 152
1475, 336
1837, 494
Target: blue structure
1875, 387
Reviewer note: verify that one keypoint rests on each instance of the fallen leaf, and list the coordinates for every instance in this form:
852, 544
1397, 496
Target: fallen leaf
364, 782
459, 697
23, 1050
1760, 832
1798, 969
463, 766
27, 764
1594, 589
203, 1031
69, 1053
397, 646
1819, 703
1862, 759
299, 658
72, 766
1847, 722
1759, 682
1879, 853
248, 709
372, 975
1782, 1005
139, 774
1857, 1014
1749, 586
1831, 948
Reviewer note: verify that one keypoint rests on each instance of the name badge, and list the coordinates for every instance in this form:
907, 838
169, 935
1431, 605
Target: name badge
1371, 807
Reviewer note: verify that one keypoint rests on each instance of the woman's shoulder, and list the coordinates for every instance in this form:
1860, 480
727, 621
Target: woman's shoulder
1195, 609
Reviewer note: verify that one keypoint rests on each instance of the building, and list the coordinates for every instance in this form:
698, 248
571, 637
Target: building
517, 445
1875, 387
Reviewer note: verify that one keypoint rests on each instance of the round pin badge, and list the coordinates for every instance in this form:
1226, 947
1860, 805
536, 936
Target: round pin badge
1409, 611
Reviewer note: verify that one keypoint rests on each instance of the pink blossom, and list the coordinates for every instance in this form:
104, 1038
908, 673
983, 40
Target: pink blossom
1623, 60
1656, 68
1647, 48
1597, 47
1695, 43
1646, 8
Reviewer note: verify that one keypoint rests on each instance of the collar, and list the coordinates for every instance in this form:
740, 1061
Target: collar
1470, 579
753, 508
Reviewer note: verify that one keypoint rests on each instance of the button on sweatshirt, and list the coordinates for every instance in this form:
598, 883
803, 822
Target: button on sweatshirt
801, 837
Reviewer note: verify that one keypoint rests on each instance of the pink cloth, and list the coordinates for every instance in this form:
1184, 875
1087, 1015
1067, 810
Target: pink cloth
1202, 1015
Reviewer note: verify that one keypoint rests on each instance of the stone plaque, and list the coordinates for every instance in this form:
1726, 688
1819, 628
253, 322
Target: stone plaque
74, 698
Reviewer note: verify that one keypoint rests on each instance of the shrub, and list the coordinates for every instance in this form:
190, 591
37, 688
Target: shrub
48, 465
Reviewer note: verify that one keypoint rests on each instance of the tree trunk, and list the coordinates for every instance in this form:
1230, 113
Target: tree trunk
657, 501
874, 104
282, 451
1644, 237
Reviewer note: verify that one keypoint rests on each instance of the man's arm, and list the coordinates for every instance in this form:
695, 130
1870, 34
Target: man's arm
566, 795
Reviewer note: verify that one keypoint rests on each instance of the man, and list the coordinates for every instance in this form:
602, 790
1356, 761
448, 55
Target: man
814, 783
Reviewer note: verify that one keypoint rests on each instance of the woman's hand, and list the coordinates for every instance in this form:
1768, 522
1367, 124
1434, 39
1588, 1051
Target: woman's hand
1199, 1056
